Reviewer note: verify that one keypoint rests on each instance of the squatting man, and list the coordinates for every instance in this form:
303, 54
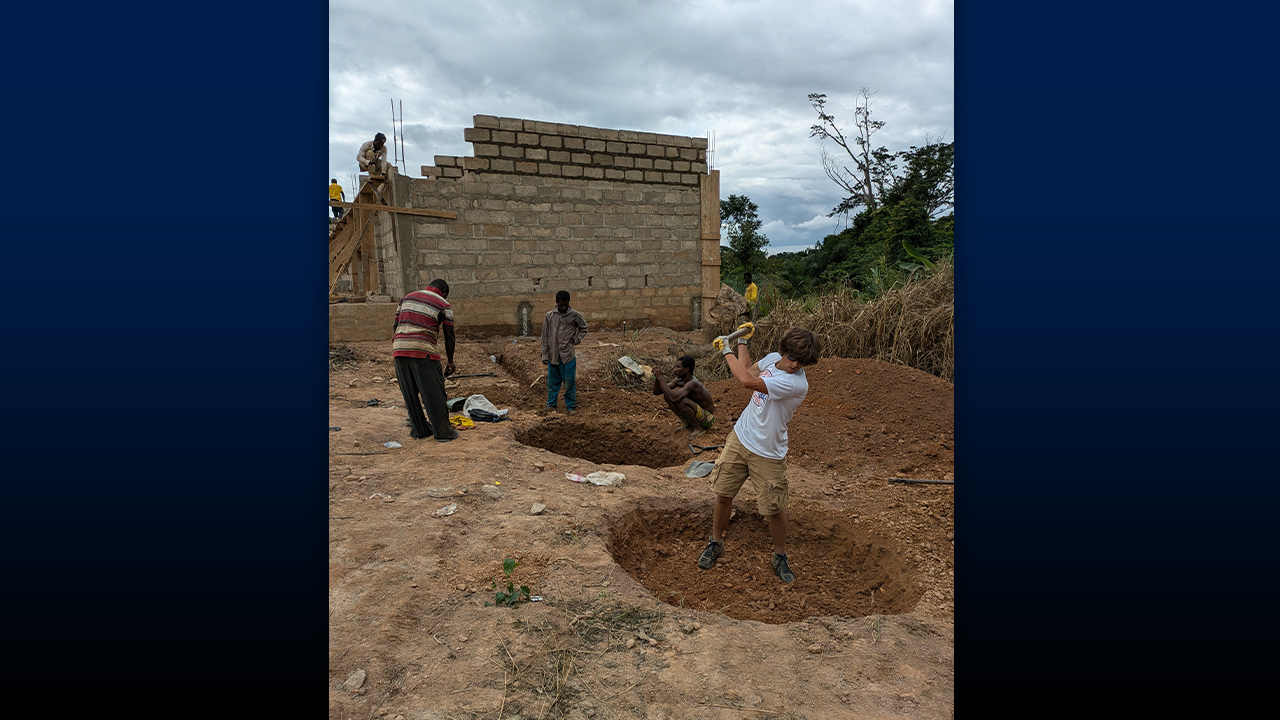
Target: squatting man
372, 156
687, 397
757, 445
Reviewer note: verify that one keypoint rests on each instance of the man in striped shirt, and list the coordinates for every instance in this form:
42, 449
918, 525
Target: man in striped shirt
422, 315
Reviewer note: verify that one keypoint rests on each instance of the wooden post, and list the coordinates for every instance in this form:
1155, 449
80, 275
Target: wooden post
709, 188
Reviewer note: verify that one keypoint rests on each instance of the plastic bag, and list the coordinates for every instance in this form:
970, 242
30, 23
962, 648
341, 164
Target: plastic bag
479, 408
597, 478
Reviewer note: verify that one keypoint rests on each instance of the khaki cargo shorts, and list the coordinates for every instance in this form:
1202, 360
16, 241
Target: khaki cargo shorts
768, 476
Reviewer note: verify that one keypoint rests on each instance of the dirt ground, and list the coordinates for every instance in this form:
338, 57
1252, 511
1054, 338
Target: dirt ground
627, 625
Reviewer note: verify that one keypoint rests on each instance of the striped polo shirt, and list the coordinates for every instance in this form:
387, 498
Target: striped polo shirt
418, 319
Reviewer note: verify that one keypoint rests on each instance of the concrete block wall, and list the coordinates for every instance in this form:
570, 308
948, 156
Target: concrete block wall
623, 232
532, 147
358, 322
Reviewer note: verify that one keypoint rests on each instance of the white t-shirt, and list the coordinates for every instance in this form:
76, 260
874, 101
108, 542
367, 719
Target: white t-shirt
762, 427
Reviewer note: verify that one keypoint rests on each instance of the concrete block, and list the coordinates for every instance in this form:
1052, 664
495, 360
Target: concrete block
595, 145
636, 148
671, 152
526, 167
611, 174
507, 151
633, 175
688, 179
671, 177
586, 131
572, 171
698, 167
471, 163
548, 169
644, 163
558, 156
535, 154
475, 135
551, 141
566, 130
615, 147
702, 154
510, 123
655, 151
680, 141
593, 172
431, 171
525, 138
699, 143
485, 121
628, 135
452, 172
662, 164
498, 165
606, 134
502, 137
446, 161
545, 128
599, 159
573, 143
680, 166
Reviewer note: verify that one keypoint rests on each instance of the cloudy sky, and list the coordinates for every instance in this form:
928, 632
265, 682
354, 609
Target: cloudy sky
742, 70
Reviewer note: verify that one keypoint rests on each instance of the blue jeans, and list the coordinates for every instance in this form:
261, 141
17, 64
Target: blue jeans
566, 373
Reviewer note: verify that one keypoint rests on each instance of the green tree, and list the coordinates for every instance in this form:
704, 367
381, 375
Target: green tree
739, 220
928, 176
878, 177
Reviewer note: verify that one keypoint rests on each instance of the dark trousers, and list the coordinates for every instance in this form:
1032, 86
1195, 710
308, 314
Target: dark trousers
424, 378
337, 212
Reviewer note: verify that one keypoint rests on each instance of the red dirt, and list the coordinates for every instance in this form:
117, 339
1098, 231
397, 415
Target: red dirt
865, 631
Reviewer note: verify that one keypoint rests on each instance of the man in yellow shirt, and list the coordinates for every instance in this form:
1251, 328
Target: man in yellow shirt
750, 296
336, 195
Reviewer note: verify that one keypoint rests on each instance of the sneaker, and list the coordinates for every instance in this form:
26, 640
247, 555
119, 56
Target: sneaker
573, 411
781, 569
710, 554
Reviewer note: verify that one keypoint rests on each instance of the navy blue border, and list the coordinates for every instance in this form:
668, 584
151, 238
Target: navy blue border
164, 440
1115, 389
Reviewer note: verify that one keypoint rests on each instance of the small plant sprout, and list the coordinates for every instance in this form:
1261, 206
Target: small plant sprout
512, 594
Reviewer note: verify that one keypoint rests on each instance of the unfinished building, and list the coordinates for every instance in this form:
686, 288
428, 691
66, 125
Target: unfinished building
628, 222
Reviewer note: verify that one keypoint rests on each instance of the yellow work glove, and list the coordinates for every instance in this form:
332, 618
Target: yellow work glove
722, 345
749, 333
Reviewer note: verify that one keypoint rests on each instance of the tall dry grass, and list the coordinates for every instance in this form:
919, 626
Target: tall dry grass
912, 325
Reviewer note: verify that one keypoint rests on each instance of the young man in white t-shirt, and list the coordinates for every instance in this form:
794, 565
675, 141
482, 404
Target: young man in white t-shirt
757, 445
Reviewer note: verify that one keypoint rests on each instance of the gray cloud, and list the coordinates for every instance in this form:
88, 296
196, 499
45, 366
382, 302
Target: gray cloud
743, 70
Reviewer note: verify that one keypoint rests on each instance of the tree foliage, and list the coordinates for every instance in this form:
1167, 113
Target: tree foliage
900, 208
739, 220
877, 177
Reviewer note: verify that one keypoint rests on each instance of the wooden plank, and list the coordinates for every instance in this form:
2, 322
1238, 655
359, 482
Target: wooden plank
399, 210
709, 187
342, 249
